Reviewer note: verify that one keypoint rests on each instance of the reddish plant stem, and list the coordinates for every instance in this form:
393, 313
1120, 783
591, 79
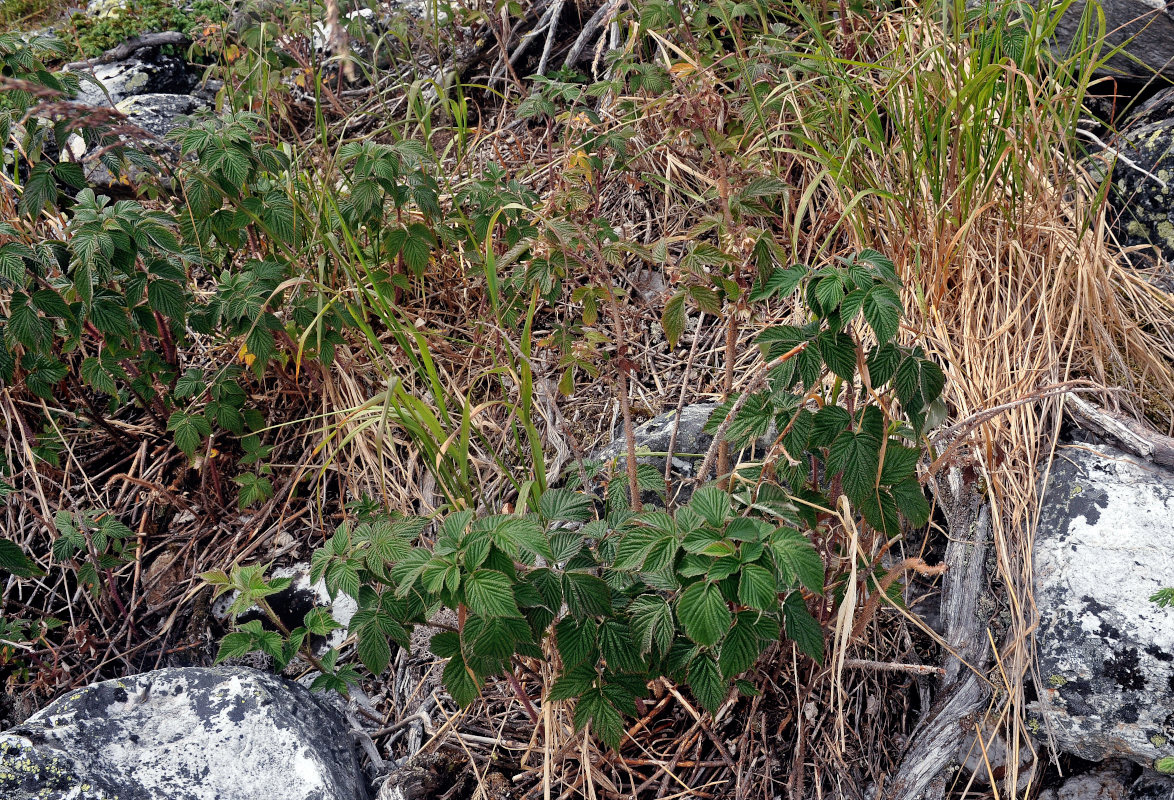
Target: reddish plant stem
521, 693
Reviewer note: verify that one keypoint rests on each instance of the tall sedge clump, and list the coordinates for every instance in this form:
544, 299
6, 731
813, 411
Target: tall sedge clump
695, 596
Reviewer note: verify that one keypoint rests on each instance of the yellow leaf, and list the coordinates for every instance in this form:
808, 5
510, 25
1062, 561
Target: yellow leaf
245, 356
577, 159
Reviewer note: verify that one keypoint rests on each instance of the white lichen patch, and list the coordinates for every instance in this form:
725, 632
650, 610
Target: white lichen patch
184, 734
1100, 554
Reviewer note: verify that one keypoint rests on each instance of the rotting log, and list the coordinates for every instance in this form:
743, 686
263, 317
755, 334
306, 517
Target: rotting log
935, 743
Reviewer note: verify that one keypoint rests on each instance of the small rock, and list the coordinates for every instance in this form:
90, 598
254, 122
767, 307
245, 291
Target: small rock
294, 601
1106, 783
653, 437
991, 757
1112, 780
158, 114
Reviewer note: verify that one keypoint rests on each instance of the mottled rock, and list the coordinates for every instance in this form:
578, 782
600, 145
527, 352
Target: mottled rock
183, 734
1107, 783
154, 90
1143, 187
1112, 780
653, 437
1145, 27
148, 71
1105, 544
158, 113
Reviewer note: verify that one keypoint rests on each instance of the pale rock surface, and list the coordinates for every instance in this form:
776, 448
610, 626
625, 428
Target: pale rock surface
147, 71
183, 734
154, 91
652, 441
1105, 544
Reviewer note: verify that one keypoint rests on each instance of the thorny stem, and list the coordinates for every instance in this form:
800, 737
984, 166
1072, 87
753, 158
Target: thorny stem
305, 650
623, 369
752, 387
521, 693
668, 461
723, 453
629, 440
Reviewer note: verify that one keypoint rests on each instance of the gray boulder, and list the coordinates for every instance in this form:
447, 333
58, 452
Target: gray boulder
1104, 545
1147, 26
157, 114
183, 734
152, 89
1143, 181
652, 438
147, 71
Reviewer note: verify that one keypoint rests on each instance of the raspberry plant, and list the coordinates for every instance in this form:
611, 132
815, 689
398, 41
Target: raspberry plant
696, 595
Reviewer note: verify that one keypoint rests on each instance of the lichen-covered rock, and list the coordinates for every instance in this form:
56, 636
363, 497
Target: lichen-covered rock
158, 113
147, 71
1144, 27
1143, 190
652, 437
183, 734
154, 90
1105, 544
1112, 780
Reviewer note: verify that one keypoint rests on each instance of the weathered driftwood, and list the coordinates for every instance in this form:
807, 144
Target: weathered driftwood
948, 723
128, 47
1131, 435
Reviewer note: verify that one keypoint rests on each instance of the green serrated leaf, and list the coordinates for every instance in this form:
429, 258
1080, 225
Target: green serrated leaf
564, 505
802, 628
712, 504
741, 647
14, 561
911, 502
882, 311
797, 558
652, 623
189, 431
490, 594
856, 456
838, 351
704, 614
706, 681
594, 709
576, 640
460, 681
586, 595
673, 319
829, 291
758, 588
